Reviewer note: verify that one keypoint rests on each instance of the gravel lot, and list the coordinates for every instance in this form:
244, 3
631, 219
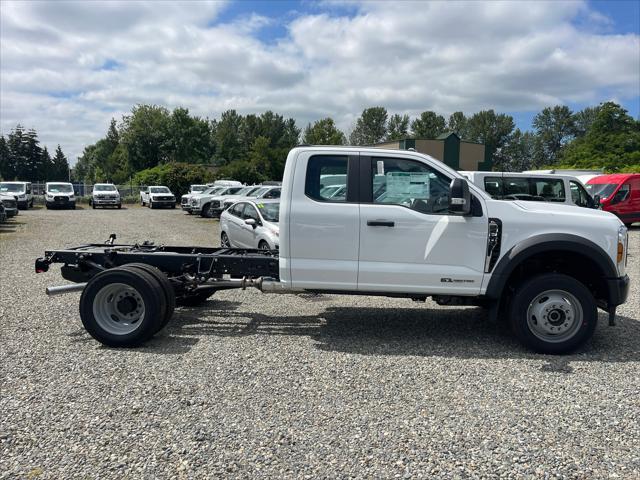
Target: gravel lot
255, 385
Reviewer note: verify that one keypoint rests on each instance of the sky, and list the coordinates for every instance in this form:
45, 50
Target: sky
67, 68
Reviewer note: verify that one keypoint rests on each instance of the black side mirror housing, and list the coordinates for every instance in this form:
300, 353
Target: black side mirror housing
459, 197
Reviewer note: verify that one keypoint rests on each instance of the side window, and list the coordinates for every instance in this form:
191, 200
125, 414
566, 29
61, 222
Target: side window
515, 186
493, 186
250, 212
28, 188
579, 195
236, 210
551, 189
325, 171
412, 184
275, 193
622, 194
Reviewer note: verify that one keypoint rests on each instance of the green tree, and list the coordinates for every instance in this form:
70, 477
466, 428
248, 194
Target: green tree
46, 165
145, 135
60, 166
189, 138
584, 119
323, 132
176, 176
492, 129
612, 142
555, 127
522, 151
5, 159
371, 127
228, 144
428, 125
458, 123
398, 127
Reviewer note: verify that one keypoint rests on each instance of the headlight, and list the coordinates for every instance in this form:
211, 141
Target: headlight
622, 251
23, 196
71, 197
49, 197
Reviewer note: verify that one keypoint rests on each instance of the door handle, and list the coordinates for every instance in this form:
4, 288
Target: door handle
380, 223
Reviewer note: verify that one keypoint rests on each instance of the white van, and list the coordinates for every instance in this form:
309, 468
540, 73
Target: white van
21, 190
60, 195
537, 187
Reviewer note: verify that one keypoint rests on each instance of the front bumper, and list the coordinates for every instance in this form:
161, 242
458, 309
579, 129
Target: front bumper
618, 289
62, 202
106, 201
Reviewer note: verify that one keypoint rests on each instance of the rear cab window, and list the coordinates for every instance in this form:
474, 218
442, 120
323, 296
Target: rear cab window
326, 178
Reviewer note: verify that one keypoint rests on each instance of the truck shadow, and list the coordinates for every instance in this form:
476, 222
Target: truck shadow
460, 333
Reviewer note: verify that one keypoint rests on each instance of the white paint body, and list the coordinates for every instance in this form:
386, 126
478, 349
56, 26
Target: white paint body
329, 246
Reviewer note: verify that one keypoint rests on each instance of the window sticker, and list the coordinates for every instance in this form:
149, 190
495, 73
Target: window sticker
414, 185
380, 165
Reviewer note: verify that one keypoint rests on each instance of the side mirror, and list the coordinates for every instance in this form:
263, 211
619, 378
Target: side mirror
596, 201
251, 222
459, 197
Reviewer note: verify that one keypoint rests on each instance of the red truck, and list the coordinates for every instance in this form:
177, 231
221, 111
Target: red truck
619, 194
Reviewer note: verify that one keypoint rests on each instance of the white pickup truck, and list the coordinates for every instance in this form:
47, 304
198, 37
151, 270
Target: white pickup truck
408, 226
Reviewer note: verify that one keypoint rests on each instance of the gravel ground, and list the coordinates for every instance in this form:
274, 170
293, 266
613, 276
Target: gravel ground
255, 385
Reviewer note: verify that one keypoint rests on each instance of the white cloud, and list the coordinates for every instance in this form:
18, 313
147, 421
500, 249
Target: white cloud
409, 57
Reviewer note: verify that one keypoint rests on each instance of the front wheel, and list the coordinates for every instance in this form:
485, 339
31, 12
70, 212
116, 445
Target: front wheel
553, 313
207, 211
224, 240
263, 245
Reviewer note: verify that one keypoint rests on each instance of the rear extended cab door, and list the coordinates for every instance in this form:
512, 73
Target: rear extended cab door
319, 237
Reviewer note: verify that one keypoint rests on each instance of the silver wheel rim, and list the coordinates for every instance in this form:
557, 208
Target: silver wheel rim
554, 316
264, 246
224, 241
118, 308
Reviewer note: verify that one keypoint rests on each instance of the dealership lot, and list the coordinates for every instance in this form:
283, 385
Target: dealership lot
292, 386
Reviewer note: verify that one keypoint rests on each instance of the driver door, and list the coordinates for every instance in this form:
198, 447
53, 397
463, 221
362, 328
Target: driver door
409, 242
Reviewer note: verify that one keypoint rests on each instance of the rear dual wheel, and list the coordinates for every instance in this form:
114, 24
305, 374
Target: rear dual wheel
126, 306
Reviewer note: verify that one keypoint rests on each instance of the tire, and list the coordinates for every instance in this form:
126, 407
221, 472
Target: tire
263, 245
151, 205
141, 202
628, 225
224, 240
93, 205
568, 310
173, 205
31, 203
121, 324
119, 206
165, 284
195, 299
206, 211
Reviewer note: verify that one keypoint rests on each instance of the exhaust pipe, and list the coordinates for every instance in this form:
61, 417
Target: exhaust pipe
62, 289
265, 285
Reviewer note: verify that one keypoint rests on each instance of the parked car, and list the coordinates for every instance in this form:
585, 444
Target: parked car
185, 200
209, 204
215, 204
157, 196
22, 190
537, 187
59, 195
251, 224
10, 204
262, 192
105, 195
619, 193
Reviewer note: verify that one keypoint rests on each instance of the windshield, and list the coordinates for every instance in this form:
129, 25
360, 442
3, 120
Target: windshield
245, 191
104, 188
211, 191
270, 211
11, 187
198, 188
603, 189
260, 191
59, 188
159, 190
